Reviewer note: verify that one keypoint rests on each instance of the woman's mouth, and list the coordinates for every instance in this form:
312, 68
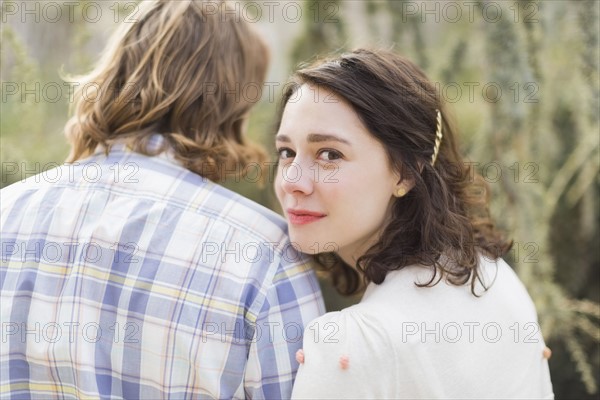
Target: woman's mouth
302, 217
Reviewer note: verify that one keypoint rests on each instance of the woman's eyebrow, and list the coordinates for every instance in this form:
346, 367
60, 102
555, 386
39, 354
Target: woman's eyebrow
325, 137
314, 137
283, 138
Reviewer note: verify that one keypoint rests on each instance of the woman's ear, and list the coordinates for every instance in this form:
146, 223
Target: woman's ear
405, 180
403, 187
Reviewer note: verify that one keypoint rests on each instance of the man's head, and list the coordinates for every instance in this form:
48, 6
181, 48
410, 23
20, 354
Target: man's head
179, 70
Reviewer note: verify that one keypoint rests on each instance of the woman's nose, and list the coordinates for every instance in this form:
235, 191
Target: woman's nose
296, 178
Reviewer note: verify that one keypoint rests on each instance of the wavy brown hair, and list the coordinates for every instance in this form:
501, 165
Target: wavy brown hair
444, 220
180, 70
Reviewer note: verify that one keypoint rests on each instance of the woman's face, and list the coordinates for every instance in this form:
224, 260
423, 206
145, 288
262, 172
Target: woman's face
334, 181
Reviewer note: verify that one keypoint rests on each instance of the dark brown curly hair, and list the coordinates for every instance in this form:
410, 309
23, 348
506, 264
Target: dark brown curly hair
444, 220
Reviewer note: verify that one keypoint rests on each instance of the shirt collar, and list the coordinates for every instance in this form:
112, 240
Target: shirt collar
155, 142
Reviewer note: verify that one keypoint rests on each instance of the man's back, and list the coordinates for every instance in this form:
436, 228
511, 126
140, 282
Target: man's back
130, 276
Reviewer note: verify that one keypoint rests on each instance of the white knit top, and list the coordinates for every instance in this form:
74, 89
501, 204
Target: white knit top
403, 341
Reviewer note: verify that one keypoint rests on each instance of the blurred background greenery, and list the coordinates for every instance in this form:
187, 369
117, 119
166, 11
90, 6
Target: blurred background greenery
522, 78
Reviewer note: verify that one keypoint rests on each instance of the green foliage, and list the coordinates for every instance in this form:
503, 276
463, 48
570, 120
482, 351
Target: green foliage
25, 145
322, 33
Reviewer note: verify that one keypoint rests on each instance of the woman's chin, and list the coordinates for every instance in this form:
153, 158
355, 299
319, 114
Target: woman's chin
313, 246
305, 246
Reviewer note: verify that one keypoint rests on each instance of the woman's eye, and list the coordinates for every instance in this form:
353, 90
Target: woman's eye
285, 153
330, 155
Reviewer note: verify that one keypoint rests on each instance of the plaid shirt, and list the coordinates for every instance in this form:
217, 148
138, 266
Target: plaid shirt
127, 276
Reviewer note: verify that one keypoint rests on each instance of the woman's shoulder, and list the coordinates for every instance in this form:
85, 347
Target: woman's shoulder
353, 323
343, 352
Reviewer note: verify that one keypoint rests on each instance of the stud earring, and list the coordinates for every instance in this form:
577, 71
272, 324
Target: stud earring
400, 192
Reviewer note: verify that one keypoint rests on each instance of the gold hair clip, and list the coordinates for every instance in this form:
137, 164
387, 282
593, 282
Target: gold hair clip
438, 138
